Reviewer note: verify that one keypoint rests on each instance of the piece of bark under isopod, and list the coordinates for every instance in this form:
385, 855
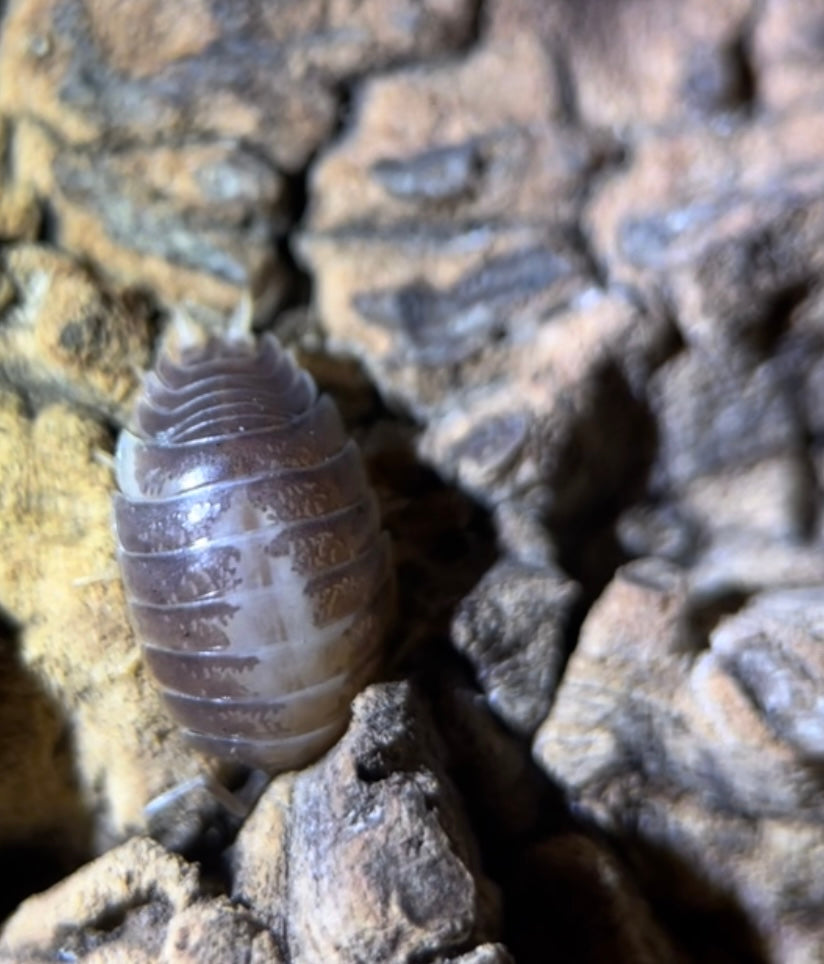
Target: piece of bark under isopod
258, 580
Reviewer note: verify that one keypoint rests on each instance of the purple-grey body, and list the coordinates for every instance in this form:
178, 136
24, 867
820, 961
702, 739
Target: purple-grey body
257, 577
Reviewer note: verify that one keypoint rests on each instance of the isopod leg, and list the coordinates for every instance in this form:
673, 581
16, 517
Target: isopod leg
106, 459
237, 804
239, 327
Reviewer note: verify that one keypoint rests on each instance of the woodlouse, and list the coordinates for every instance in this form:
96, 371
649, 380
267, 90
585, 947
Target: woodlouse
258, 580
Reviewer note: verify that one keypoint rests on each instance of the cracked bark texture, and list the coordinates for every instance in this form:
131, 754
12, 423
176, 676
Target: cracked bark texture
561, 265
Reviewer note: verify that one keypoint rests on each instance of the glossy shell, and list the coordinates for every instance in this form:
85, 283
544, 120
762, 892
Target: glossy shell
258, 580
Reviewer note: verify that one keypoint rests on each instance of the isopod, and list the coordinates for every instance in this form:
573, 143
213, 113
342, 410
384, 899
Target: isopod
258, 580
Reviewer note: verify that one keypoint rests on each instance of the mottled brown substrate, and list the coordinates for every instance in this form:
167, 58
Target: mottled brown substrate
578, 249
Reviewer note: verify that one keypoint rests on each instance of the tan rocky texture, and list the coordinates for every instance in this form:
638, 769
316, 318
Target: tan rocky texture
577, 248
640, 63
512, 629
162, 147
559, 427
523, 367
697, 209
364, 856
731, 445
133, 886
64, 337
137, 903
107, 747
497, 390
446, 255
561, 887
721, 717
20, 212
421, 221
786, 45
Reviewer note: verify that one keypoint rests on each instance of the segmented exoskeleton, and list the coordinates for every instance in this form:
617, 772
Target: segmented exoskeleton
257, 577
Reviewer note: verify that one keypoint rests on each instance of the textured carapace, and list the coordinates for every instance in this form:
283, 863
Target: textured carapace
257, 577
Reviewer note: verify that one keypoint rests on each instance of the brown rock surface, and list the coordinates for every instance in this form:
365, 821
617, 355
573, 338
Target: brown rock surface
716, 204
65, 338
577, 249
786, 51
512, 629
127, 898
160, 140
446, 255
422, 234
363, 857
637, 64
723, 734
58, 585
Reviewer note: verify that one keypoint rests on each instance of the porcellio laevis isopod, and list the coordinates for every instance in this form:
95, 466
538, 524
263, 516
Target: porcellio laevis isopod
257, 577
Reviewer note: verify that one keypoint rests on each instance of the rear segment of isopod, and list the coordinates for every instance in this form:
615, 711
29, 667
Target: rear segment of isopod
258, 580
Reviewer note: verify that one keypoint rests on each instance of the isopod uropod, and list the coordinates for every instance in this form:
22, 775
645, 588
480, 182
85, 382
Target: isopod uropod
258, 580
